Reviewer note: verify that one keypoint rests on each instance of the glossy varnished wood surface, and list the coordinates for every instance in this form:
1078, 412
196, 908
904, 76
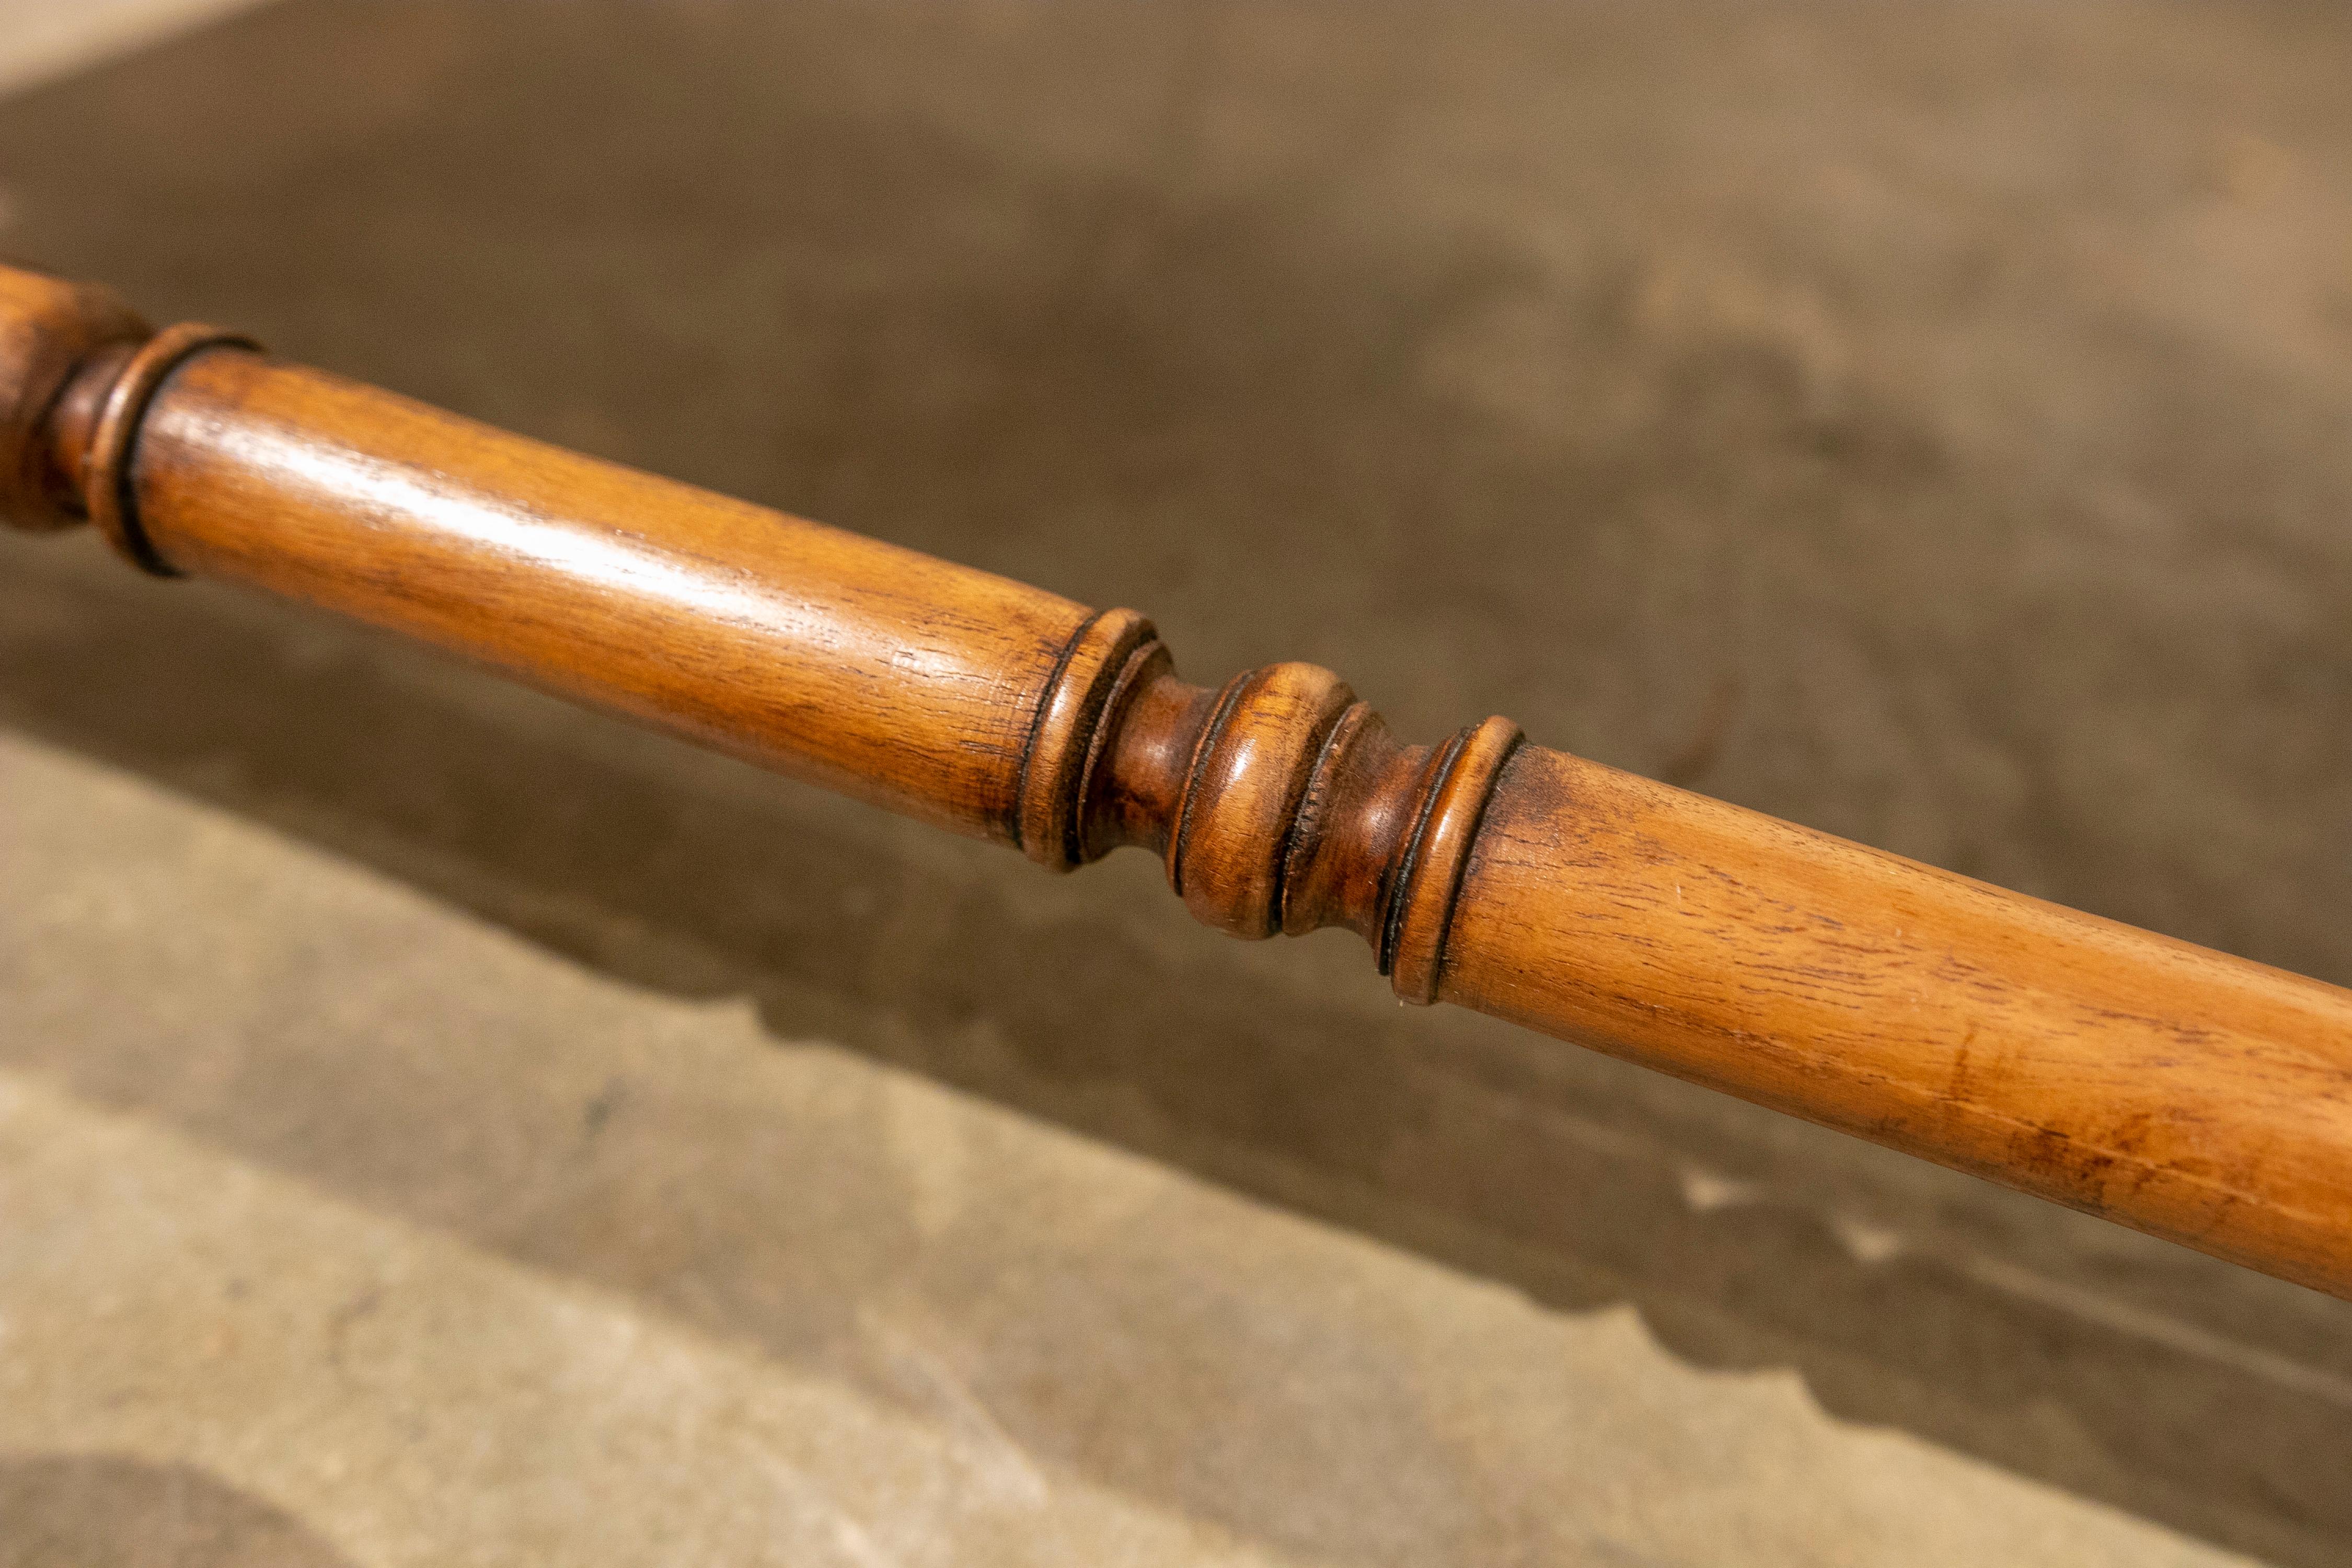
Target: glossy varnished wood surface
2186, 1092
48, 329
2193, 1095
841, 660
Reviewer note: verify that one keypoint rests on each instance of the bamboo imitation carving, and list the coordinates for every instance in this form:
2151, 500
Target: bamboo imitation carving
2190, 1094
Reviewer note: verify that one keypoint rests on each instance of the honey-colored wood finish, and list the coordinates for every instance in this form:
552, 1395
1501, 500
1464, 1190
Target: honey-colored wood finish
2193, 1095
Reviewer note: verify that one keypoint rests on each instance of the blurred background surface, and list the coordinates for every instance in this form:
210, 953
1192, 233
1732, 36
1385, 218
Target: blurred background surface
1924, 422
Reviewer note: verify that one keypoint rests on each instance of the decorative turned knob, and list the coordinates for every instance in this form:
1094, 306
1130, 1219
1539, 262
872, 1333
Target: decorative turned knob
1279, 803
1251, 770
48, 329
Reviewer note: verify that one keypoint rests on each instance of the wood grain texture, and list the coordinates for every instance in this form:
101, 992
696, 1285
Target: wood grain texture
2187, 1093
2193, 1095
854, 663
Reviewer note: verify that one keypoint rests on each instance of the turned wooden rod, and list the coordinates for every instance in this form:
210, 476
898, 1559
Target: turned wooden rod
2196, 1096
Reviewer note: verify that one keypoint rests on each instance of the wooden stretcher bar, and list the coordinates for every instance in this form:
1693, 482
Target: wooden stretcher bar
2193, 1095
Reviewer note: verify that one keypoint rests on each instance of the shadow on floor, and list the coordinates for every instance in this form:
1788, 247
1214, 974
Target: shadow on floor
77, 1511
1561, 1186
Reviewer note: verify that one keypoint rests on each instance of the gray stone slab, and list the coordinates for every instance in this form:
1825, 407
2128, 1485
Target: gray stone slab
894, 1324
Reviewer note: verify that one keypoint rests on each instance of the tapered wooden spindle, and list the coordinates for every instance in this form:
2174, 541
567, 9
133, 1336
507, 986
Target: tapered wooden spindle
2194, 1094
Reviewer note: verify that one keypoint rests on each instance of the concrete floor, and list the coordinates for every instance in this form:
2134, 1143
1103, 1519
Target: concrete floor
437, 1123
